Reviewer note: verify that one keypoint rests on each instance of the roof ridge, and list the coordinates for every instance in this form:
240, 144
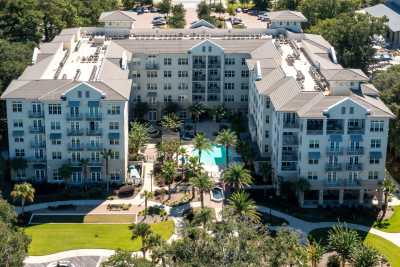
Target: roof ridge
116, 91
68, 82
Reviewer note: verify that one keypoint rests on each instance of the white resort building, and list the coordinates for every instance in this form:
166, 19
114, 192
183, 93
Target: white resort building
307, 115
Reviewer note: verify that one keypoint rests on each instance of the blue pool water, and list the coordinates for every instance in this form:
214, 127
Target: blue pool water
216, 156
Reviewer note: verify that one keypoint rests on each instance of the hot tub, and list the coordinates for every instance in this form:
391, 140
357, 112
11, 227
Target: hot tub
217, 194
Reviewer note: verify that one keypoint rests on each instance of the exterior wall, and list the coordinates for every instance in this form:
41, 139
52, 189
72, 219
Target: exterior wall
290, 25
39, 147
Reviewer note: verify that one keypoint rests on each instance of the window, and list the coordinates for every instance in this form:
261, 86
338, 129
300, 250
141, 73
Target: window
266, 148
244, 86
114, 110
19, 153
183, 86
115, 175
18, 124
54, 109
229, 73
79, 94
114, 141
267, 119
312, 176
151, 74
314, 144
114, 125
56, 141
167, 86
151, 86
244, 98
95, 177
167, 61
183, 74
331, 177
266, 134
55, 125
56, 155
181, 98
56, 175
229, 61
353, 176
343, 110
375, 143
373, 175
114, 155
313, 161
351, 111
87, 94
376, 126
167, 74
243, 61
229, 86
183, 61
152, 115
18, 139
245, 73
167, 98
374, 160
17, 107
267, 102
229, 98
20, 174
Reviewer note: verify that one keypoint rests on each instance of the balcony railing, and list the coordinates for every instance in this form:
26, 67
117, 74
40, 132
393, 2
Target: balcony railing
329, 167
289, 168
92, 147
214, 65
291, 124
94, 116
38, 159
290, 140
75, 162
152, 66
356, 130
355, 151
75, 132
36, 129
75, 147
354, 167
96, 163
214, 78
94, 132
342, 182
315, 132
36, 114
335, 131
290, 156
74, 117
199, 65
40, 144
199, 78
334, 151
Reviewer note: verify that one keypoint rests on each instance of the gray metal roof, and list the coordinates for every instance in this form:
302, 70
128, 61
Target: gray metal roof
381, 10
117, 15
287, 15
344, 75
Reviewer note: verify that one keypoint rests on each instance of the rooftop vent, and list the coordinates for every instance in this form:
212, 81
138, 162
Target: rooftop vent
124, 61
333, 54
258, 71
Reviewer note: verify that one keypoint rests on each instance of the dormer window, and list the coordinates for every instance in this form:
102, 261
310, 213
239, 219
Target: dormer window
209, 49
203, 49
87, 93
343, 110
79, 94
351, 110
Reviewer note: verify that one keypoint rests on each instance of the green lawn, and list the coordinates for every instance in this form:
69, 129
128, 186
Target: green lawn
386, 248
52, 238
391, 225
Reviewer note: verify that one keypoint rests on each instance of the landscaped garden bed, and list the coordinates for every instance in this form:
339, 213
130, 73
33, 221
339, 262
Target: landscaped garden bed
83, 218
52, 238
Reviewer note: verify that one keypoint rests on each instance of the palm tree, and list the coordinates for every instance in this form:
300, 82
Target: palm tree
171, 121
194, 167
365, 256
201, 143
147, 195
23, 192
168, 172
300, 186
389, 187
106, 154
85, 165
182, 153
152, 241
237, 177
315, 252
140, 109
228, 139
138, 137
203, 182
18, 164
265, 170
159, 253
141, 230
203, 217
343, 240
241, 205
197, 109
65, 172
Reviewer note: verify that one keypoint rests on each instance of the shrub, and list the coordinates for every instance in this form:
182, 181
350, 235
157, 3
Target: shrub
333, 261
126, 191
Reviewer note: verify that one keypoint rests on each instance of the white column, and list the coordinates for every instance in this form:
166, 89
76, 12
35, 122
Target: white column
321, 197
361, 197
341, 195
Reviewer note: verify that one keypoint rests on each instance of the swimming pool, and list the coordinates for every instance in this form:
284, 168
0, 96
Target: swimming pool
216, 156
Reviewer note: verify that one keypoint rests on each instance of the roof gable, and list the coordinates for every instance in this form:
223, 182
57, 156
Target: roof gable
202, 23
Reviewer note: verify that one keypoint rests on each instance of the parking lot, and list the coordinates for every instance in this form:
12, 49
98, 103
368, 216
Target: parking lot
84, 261
251, 21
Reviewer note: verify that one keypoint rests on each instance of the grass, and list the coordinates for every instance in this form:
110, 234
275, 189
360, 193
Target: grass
90, 218
391, 225
52, 238
386, 248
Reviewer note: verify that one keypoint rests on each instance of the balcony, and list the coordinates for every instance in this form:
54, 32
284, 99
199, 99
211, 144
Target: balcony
75, 147
36, 129
356, 130
334, 151
289, 156
37, 159
75, 162
94, 132
354, 167
152, 66
199, 78
342, 183
95, 162
332, 167
199, 65
94, 116
214, 65
289, 140
214, 78
74, 117
289, 168
36, 114
75, 132
355, 151
94, 146
41, 144
291, 124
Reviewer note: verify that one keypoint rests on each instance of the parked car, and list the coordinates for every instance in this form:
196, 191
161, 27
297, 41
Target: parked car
154, 9
254, 12
158, 18
245, 10
153, 132
146, 10
238, 10
159, 22
61, 264
236, 21
139, 10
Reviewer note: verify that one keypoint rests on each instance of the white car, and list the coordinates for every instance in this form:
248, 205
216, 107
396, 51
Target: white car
61, 264
238, 10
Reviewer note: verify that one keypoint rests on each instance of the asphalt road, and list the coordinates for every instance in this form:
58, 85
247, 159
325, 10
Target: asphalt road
87, 261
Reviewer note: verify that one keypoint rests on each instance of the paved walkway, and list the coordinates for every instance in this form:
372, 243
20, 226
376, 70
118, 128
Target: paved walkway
306, 227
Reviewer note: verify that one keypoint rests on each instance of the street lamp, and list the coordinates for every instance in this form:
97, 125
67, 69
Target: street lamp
151, 181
